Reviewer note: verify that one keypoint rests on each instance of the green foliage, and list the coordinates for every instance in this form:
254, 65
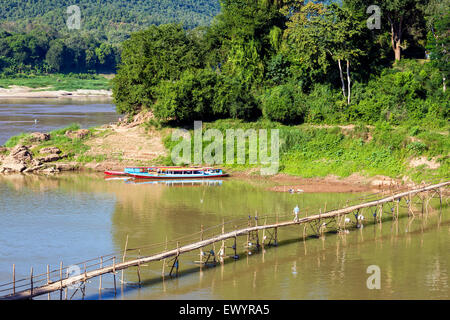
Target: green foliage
409, 92
68, 82
202, 95
15, 140
113, 19
148, 58
309, 151
43, 51
188, 99
234, 99
284, 104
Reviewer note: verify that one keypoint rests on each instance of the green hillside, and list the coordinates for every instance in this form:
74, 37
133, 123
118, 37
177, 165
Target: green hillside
113, 19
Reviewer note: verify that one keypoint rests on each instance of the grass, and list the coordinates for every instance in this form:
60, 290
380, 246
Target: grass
73, 148
13, 141
309, 151
55, 82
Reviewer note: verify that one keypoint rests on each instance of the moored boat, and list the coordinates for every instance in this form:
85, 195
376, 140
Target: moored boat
169, 172
136, 170
181, 173
115, 173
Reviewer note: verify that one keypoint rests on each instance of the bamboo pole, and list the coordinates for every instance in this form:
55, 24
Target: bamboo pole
123, 259
139, 268
14, 279
264, 233
164, 261
100, 282
66, 293
60, 281
48, 280
201, 249
114, 273
31, 283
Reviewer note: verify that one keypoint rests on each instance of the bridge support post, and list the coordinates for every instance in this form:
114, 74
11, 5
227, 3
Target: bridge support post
114, 273
31, 284
61, 279
100, 281
139, 268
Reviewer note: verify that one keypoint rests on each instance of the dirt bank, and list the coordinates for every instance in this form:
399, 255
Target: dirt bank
353, 183
18, 92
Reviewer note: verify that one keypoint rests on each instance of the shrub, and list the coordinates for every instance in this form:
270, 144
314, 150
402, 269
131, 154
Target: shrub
284, 104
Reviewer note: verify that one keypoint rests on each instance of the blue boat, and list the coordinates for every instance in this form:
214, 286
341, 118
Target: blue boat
178, 173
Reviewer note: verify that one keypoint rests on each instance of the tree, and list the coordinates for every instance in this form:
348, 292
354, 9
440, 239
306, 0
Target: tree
249, 30
304, 43
188, 99
404, 18
149, 57
56, 55
343, 29
284, 104
438, 21
317, 33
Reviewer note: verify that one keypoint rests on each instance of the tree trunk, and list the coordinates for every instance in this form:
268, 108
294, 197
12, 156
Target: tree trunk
444, 86
342, 77
397, 51
348, 82
396, 37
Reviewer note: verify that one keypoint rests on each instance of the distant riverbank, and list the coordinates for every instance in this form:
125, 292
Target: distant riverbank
19, 92
56, 86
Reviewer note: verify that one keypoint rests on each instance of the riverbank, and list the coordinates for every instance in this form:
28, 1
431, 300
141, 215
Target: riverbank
19, 92
312, 158
56, 86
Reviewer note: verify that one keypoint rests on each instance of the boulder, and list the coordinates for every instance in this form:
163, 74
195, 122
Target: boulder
39, 137
50, 158
33, 169
50, 170
3, 149
51, 150
65, 167
79, 134
20, 153
12, 165
35, 162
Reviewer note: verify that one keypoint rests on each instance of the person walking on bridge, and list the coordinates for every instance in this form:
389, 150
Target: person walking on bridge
296, 212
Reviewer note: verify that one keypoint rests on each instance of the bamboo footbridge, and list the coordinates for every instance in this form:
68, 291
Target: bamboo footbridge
61, 279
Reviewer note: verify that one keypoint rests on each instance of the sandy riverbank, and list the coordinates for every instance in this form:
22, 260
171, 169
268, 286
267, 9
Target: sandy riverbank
18, 92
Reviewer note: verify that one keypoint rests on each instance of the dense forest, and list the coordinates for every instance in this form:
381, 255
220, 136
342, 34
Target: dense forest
293, 62
34, 37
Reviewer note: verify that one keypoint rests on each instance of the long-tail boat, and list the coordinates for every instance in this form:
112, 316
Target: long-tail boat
181, 173
169, 173
136, 170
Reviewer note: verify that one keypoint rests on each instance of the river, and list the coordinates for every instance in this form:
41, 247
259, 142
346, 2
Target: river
72, 218
19, 115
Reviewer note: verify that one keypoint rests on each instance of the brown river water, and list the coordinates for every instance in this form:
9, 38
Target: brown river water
31, 115
72, 218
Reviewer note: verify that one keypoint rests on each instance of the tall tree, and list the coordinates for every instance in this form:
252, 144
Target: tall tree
438, 22
317, 33
399, 18
149, 57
